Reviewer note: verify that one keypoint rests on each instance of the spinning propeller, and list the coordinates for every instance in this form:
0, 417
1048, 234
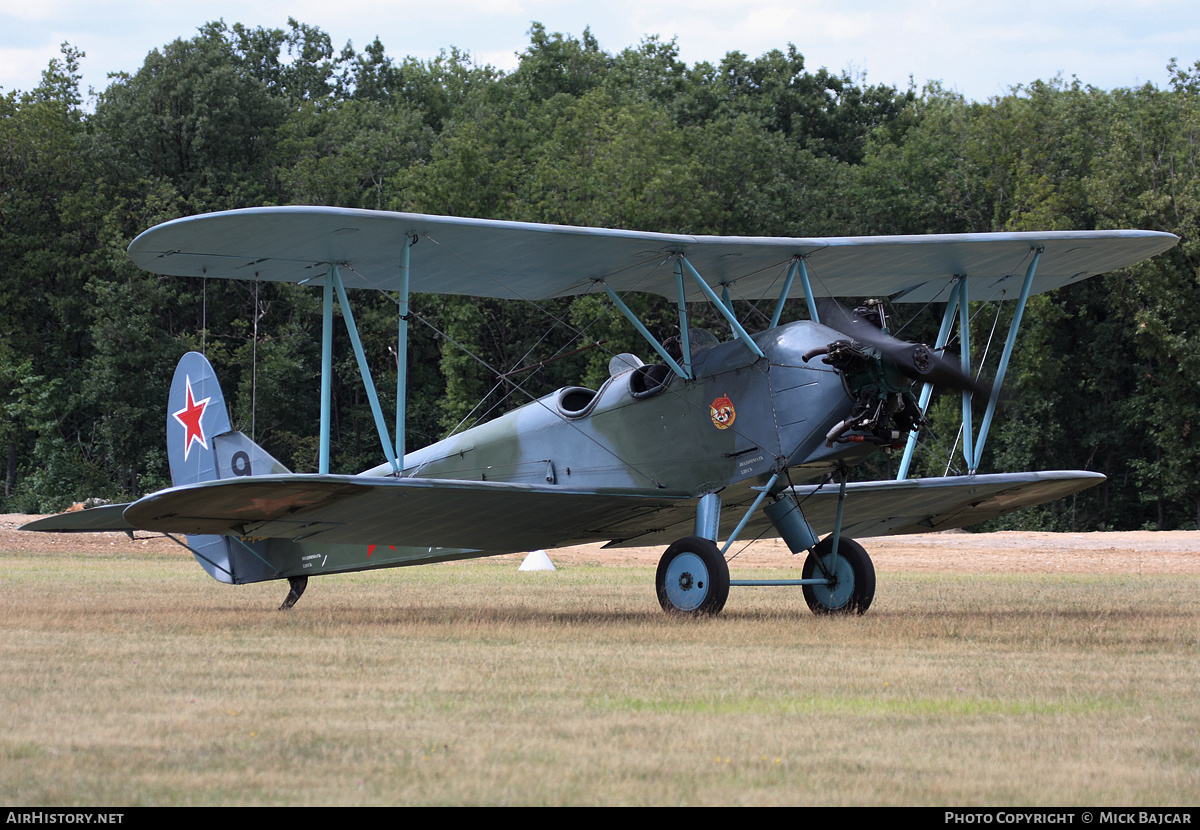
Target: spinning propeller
914, 360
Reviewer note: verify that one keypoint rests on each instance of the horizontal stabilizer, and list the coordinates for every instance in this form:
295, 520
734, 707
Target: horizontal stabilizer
105, 519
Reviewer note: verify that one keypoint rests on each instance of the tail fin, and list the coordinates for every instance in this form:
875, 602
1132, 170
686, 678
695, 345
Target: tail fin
201, 442
203, 446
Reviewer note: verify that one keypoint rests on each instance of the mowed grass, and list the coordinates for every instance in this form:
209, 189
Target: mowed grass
134, 679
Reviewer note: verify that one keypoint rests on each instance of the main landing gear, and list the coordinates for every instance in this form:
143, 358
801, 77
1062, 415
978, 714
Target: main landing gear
849, 578
692, 578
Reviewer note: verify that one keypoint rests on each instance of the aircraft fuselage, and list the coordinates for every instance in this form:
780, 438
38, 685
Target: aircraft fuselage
739, 417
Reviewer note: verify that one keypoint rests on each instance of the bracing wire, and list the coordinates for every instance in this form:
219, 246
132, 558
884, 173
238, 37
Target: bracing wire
254, 367
204, 313
578, 332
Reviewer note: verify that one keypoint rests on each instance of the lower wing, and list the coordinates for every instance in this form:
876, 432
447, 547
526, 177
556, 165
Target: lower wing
887, 507
499, 517
327, 509
920, 505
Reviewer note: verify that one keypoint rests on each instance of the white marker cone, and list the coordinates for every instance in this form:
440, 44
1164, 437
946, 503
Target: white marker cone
537, 561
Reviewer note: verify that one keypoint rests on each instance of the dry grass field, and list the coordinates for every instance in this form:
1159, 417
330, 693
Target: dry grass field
993, 670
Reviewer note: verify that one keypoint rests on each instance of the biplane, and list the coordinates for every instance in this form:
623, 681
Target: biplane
710, 439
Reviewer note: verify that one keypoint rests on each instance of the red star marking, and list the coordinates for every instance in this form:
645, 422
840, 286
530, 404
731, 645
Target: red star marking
190, 417
266, 507
371, 549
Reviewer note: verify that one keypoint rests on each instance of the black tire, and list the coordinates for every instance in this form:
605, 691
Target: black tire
854, 578
692, 578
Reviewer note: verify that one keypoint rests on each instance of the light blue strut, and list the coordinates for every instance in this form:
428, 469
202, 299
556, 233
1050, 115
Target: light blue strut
326, 370
684, 337
365, 370
957, 302
1004, 358
726, 312
964, 357
797, 267
333, 283
402, 348
645, 333
927, 389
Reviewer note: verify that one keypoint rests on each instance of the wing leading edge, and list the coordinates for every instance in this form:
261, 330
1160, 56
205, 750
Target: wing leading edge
921, 505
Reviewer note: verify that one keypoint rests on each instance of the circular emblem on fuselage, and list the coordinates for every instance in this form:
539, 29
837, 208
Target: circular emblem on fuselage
722, 412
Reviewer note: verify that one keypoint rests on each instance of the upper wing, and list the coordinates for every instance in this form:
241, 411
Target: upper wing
517, 260
490, 516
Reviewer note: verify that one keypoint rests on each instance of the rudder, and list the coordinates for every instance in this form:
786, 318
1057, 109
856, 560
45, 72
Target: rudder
203, 446
201, 442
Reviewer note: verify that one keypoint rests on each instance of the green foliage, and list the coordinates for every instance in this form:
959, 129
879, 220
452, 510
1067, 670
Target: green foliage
555, 64
827, 114
1148, 175
1105, 376
348, 153
194, 115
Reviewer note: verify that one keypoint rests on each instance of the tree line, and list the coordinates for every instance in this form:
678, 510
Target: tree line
1106, 375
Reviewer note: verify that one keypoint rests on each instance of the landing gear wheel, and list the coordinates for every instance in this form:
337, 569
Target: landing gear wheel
853, 578
692, 578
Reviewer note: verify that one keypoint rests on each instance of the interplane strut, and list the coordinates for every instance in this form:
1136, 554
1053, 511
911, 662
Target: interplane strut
957, 302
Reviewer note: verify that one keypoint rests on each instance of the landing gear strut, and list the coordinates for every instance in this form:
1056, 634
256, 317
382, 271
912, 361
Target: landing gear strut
692, 578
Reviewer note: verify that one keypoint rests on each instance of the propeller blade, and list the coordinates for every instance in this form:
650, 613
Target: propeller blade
914, 360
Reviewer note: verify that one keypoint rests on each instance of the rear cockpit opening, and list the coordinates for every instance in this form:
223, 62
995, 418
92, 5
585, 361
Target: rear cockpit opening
575, 401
